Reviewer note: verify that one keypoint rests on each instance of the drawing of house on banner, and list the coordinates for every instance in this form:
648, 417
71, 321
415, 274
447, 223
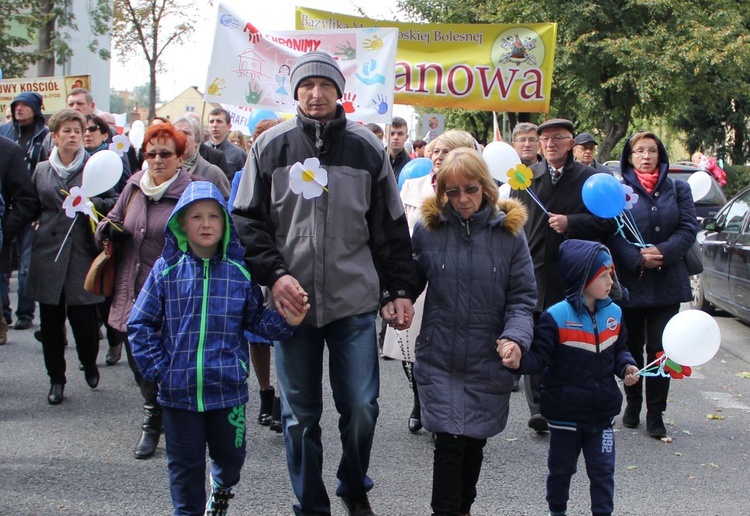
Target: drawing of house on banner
250, 65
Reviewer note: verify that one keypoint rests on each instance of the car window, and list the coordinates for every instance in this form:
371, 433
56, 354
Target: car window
731, 217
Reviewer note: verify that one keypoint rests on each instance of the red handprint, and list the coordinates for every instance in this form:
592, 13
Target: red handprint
255, 35
347, 102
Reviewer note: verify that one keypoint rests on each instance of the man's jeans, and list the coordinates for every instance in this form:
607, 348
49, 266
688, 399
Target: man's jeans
355, 381
25, 309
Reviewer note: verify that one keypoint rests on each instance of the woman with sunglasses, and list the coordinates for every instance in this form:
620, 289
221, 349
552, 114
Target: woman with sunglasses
142, 211
471, 248
61, 254
400, 345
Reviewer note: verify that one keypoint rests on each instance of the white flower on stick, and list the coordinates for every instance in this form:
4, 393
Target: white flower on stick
120, 144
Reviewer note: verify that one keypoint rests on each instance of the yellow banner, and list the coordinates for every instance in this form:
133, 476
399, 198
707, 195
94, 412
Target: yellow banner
498, 67
54, 90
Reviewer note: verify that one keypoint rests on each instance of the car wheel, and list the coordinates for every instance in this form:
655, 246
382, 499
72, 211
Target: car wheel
699, 301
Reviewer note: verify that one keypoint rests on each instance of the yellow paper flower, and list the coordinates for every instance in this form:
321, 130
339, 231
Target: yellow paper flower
519, 178
308, 178
120, 144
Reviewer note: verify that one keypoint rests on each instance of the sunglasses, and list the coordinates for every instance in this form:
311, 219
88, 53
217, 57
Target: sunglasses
165, 154
469, 190
92, 129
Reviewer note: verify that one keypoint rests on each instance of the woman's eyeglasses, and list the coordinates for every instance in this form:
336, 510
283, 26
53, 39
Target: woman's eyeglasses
92, 129
469, 190
164, 154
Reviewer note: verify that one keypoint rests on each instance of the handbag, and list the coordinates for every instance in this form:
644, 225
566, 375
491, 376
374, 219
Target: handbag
692, 256
100, 279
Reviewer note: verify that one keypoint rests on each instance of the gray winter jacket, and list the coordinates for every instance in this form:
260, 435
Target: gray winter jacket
481, 288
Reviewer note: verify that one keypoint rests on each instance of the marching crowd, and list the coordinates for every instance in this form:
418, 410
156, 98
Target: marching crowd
316, 244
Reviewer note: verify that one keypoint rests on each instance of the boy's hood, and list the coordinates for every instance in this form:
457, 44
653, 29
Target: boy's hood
575, 260
176, 239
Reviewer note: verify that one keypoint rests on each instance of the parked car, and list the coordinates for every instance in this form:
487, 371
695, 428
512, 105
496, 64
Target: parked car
706, 207
725, 252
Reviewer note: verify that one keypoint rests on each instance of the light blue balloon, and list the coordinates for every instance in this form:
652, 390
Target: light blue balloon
417, 167
260, 114
603, 196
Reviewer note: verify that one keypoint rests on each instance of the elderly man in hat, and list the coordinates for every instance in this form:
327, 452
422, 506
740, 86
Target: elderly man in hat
332, 235
558, 180
585, 150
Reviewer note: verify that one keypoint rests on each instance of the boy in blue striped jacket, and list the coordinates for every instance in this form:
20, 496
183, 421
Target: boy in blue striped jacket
186, 333
580, 345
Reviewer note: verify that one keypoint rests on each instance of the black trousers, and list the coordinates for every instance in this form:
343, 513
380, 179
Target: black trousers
85, 327
645, 327
149, 390
456, 467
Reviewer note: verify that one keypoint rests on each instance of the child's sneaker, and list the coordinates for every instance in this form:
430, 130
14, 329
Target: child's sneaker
218, 500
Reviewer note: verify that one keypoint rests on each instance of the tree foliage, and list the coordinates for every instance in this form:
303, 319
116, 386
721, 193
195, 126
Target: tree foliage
148, 27
46, 24
620, 59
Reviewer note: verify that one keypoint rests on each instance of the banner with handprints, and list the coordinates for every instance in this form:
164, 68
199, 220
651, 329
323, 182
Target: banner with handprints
253, 68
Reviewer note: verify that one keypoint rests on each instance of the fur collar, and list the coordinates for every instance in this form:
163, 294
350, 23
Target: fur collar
511, 214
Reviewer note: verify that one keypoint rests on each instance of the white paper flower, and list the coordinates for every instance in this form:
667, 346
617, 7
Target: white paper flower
120, 144
630, 196
78, 202
308, 178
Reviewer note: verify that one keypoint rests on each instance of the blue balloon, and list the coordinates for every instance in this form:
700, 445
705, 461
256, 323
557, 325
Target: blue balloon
417, 167
260, 114
603, 196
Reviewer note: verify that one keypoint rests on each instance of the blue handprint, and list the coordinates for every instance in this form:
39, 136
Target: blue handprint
367, 69
380, 104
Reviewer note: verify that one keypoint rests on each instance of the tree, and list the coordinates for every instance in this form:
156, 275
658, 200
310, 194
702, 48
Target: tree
50, 22
149, 27
616, 59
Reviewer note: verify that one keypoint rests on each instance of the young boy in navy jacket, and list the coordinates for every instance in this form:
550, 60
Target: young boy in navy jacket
579, 346
186, 333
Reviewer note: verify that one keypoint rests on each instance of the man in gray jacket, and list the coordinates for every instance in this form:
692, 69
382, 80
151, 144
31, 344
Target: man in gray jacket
319, 212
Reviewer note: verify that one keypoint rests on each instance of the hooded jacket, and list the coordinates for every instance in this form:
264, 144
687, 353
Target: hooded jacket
186, 328
32, 144
664, 220
579, 352
481, 288
343, 245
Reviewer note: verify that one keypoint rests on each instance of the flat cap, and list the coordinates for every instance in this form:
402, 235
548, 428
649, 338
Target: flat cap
584, 138
556, 122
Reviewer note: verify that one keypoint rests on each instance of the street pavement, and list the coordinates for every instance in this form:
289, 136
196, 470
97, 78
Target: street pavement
76, 458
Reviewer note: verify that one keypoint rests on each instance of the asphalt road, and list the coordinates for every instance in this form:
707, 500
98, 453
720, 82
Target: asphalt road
76, 458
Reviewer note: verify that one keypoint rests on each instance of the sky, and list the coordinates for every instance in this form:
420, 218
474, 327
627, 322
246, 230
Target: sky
186, 65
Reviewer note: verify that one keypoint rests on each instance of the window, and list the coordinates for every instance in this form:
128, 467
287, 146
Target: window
189, 109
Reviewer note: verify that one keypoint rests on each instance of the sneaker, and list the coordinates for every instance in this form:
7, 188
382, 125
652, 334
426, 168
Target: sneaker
357, 505
23, 324
538, 423
218, 500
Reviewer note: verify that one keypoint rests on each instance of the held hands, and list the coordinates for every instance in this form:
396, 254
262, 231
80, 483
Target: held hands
652, 257
631, 378
398, 313
290, 299
558, 223
510, 352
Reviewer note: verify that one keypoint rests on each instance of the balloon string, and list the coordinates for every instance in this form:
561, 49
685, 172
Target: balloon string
647, 366
66, 237
634, 226
533, 196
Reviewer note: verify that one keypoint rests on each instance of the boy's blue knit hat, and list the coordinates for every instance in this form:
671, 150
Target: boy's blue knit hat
602, 262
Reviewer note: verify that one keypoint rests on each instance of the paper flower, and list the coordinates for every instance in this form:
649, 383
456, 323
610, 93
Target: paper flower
674, 369
630, 196
78, 202
308, 178
120, 144
519, 178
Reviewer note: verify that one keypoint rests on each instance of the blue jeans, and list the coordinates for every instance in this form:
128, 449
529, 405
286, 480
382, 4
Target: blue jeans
26, 306
355, 380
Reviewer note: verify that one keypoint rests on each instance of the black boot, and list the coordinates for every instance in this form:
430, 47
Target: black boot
631, 416
266, 406
151, 430
655, 425
415, 418
275, 423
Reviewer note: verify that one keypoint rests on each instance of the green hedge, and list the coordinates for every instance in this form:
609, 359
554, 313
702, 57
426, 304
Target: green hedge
738, 177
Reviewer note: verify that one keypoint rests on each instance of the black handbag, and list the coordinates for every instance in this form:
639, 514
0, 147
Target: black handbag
692, 256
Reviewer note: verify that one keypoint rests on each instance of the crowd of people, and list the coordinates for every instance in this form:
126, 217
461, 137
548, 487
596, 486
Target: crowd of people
318, 247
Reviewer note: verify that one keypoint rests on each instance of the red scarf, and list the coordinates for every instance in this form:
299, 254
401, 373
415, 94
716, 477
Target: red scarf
648, 179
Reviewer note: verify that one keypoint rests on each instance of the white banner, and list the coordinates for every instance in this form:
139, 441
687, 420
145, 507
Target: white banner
252, 68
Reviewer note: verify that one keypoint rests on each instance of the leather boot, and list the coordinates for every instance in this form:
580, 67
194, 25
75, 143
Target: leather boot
415, 418
275, 423
266, 406
151, 430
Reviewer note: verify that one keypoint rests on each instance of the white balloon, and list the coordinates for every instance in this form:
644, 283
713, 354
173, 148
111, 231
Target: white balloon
691, 338
500, 158
137, 130
504, 191
102, 172
700, 184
